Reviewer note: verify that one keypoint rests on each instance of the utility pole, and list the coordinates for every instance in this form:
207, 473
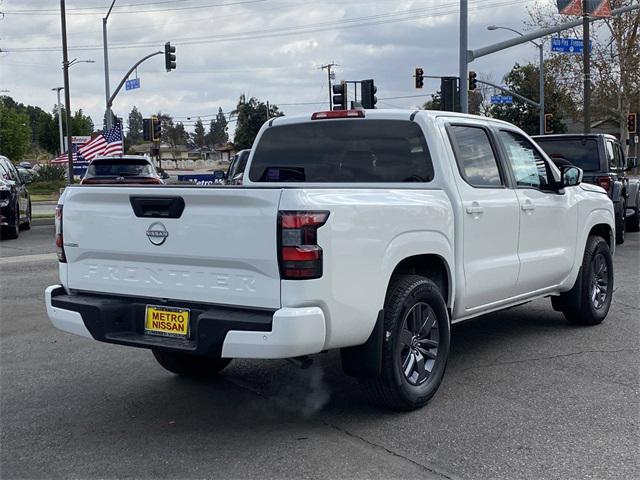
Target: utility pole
268, 111
586, 64
464, 67
67, 97
107, 89
59, 109
328, 67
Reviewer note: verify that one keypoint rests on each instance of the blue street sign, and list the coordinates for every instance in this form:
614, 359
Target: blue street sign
131, 84
568, 45
500, 99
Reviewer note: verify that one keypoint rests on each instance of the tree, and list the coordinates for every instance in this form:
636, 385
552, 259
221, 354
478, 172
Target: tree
435, 103
524, 81
173, 135
15, 134
134, 128
251, 114
615, 62
218, 130
199, 134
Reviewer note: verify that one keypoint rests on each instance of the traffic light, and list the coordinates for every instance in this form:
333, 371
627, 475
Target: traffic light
146, 129
419, 75
156, 129
169, 57
548, 120
473, 83
340, 96
368, 94
632, 123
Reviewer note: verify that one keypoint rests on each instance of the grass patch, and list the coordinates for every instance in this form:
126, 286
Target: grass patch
49, 189
35, 216
49, 197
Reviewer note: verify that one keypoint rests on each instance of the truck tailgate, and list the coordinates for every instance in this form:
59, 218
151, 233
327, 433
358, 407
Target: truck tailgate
220, 249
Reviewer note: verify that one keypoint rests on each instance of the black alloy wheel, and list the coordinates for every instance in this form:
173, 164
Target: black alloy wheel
420, 339
599, 281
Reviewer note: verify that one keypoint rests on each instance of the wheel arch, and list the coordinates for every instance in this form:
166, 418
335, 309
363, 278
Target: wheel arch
429, 265
599, 222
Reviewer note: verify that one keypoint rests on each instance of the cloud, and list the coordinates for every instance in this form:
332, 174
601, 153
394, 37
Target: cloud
271, 49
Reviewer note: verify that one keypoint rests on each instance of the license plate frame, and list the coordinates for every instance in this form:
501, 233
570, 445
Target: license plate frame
171, 326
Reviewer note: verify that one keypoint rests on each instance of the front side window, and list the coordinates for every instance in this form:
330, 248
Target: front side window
358, 150
529, 167
475, 156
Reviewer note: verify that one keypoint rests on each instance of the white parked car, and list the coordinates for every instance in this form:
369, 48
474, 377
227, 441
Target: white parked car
365, 231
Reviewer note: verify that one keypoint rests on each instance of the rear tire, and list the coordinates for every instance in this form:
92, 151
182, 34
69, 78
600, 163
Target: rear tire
27, 223
190, 365
11, 232
620, 221
416, 345
633, 222
588, 302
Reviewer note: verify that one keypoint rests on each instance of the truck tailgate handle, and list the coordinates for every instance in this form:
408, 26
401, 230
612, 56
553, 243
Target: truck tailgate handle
157, 207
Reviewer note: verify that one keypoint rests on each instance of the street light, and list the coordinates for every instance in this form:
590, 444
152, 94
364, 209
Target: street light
541, 48
75, 61
107, 88
59, 108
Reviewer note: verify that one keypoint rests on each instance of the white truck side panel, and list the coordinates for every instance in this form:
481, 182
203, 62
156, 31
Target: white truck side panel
368, 233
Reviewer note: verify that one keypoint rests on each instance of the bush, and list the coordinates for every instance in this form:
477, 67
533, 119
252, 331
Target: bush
52, 173
48, 187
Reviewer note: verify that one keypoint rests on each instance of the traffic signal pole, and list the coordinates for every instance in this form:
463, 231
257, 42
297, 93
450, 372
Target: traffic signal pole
586, 66
107, 88
464, 61
124, 79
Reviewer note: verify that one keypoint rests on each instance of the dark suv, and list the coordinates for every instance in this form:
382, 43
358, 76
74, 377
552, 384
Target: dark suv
15, 202
602, 160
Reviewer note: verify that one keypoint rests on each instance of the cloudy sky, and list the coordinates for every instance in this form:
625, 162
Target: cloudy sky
270, 49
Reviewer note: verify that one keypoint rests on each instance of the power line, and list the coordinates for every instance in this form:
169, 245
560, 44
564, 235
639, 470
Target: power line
407, 15
150, 10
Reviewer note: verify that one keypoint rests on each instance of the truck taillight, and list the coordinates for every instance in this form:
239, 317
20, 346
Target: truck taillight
59, 238
299, 255
604, 182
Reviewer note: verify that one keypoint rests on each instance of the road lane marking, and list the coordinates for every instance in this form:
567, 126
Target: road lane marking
28, 258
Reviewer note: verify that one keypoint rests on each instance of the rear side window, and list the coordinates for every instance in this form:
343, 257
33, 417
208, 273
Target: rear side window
357, 150
475, 156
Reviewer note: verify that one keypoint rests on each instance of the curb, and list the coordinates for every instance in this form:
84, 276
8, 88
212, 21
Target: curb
38, 222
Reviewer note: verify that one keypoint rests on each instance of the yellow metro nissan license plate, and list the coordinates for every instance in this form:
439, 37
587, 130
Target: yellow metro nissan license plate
167, 321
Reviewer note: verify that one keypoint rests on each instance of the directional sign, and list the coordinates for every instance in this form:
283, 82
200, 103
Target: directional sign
568, 45
131, 84
500, 99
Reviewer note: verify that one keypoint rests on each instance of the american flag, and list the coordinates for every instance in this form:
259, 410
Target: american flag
77, 159
109, 143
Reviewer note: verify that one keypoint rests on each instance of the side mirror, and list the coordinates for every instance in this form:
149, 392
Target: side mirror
632, 162
571, 176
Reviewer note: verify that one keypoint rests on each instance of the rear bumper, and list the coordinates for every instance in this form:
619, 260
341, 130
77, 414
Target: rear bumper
215, 331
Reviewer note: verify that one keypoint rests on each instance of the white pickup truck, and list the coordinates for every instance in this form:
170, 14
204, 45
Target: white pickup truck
365, 231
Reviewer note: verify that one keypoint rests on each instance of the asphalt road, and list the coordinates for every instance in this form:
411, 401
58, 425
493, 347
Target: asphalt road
525, 396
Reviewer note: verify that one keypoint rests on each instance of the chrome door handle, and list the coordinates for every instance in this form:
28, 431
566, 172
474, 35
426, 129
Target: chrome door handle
528, 207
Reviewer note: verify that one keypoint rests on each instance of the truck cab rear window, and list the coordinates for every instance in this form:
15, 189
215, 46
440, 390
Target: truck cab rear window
375, 151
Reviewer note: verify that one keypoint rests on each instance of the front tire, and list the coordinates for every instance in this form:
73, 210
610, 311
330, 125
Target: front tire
588, 302
190, 365
416, 345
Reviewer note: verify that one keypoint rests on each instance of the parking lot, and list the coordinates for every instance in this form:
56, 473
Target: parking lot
525, 396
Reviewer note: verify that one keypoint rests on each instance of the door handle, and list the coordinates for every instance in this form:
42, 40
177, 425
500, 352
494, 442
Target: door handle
528, 207
475, 208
